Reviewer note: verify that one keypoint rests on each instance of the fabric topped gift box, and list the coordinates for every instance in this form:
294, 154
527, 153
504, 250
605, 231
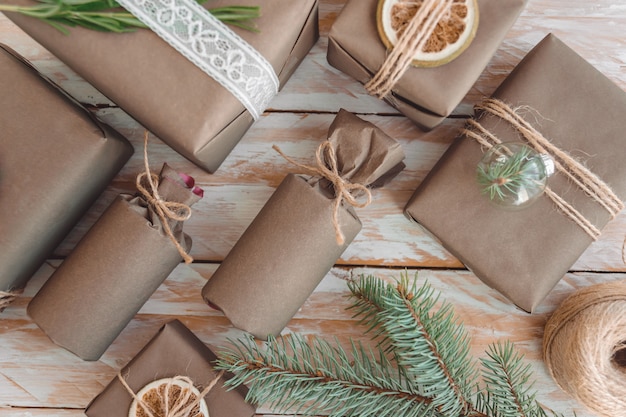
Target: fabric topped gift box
169, 95
173, 353
303, 228
559, 103
56, 159
426, 95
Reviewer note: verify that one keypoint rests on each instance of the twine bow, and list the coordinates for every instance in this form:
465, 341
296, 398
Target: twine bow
344, 190
7, 297
576, 172
164, 209
414, 38
173, 403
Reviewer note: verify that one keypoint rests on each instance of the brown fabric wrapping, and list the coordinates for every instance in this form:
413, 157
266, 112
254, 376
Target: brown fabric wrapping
173, 351
169, 95
424, 95
291, 244
55, 161
524, 253
111, 273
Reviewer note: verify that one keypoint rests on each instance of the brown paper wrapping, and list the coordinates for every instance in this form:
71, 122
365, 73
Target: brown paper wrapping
524, 253
55, 160
169, 95
424, 95
291, 244
111, 273
174, 351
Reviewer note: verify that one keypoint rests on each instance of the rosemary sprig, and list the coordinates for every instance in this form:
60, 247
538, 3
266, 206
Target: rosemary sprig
508, 174
108, 16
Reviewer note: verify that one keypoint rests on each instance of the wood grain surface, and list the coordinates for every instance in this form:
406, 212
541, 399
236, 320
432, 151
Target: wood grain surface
38, 378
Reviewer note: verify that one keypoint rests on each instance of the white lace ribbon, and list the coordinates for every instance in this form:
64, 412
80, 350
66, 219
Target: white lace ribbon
211, 46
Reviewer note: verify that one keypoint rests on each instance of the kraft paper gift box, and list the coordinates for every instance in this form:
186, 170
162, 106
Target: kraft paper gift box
113, 270
292, 244
56, 159
173, 351
425, 95
524, 253
165, 92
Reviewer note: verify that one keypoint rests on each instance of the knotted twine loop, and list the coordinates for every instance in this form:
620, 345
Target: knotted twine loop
414, 38
576, 172
584, 346
344, 190
164, 209
170, 406
7, 297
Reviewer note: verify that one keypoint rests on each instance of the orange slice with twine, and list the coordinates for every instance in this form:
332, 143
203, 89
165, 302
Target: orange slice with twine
452, 35
153, 396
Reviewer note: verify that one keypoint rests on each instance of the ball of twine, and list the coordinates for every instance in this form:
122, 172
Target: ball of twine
584, 347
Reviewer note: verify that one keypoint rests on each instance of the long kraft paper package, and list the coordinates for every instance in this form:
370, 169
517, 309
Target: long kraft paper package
425, 95
56, 159
291, 244
173, 351
112, 271
165, 92
524, 253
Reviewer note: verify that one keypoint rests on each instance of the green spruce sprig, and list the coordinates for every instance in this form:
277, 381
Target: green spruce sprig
515, 171
420, 366
108, 16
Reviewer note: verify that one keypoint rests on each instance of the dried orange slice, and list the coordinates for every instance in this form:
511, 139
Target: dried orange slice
452, 35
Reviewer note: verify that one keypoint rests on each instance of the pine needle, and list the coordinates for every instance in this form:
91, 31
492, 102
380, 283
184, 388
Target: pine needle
508, 174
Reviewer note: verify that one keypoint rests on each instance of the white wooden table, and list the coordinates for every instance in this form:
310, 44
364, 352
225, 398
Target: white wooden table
37, 378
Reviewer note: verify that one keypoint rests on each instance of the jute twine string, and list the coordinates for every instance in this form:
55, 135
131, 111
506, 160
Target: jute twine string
7, 297
580, 175
164, 209
584, 345
171, 406
344, 190
414, 38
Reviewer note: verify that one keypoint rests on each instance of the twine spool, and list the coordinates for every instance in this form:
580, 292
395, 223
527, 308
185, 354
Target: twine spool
584, 347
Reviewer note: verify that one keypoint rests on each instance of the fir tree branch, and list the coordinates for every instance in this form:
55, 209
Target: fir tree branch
506, 378
108, 16
431, 346
312, 377
416, 375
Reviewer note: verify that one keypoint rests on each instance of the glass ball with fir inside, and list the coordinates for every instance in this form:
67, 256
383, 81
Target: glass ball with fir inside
513, 175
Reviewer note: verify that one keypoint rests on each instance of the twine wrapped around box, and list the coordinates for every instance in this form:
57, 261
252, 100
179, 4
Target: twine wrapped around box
584, 347
416, 35
576, 172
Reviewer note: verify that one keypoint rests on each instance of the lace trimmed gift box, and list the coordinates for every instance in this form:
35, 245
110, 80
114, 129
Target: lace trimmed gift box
169, 95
